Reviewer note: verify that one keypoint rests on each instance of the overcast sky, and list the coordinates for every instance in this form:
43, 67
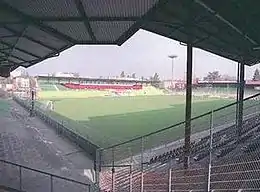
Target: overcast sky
144, 54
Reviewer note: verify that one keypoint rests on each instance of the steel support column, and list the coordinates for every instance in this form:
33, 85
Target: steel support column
32, 103
237, 98
188, 106
240, 97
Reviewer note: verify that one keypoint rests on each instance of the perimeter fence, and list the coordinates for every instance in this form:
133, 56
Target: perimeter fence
218, 150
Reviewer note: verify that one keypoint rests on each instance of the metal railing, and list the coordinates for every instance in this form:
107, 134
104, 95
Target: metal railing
155, 160
22, 179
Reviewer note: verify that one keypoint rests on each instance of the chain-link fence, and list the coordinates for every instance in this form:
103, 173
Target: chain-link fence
219, 155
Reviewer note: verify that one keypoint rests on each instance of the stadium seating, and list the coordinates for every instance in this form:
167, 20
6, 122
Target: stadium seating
53, 91
225, 172
203, 144
102, 86
221, 91
61, 87
47, 87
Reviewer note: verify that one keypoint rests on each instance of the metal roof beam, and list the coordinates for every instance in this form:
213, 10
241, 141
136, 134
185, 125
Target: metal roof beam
5, 49
86, 21
8, 36
12, 47
32, 62
209, 34
19, 58
30, 20
138, 24
216, 14
200, 40
24, 51
84, 18
90, 42
13, 63
29, 38
215, 35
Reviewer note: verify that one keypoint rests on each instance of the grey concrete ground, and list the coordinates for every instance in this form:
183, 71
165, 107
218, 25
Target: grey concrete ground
28, 141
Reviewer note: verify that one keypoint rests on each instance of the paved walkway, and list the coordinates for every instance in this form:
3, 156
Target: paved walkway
28, 141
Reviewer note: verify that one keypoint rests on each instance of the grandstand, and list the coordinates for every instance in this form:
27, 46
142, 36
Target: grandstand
160, 168
117, 107
92, 87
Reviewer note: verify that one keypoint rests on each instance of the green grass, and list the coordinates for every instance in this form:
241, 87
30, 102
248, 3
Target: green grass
107, 121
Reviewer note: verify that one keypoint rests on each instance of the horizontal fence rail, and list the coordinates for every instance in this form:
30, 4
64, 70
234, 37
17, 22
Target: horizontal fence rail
22, 180
223, 156
220, 154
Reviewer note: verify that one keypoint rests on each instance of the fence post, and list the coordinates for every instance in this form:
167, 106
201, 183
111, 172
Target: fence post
97, 168
170, 178
130, 179
51, 183
20, 178
113, 169
142, 164
210, 149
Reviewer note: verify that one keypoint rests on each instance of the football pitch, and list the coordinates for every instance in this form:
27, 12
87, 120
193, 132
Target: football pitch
106, 121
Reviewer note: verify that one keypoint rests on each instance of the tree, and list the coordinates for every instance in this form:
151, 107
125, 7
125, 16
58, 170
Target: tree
133, 76
256, 76
122, 75
212, 76
228, 78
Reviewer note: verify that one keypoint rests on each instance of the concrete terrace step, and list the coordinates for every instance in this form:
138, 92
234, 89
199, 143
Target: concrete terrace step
8, 189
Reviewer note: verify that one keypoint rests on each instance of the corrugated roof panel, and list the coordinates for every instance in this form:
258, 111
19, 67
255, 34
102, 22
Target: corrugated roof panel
23, 55
4, 32
117, 8
40, 8
15, 59
26, 64
75, 30
44, 37
6, 52
17, 27
7, 17
2, 46
10, 40
34, 48
104, 30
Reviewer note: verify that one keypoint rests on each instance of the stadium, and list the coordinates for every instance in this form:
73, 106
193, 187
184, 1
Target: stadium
139, 106
68, 133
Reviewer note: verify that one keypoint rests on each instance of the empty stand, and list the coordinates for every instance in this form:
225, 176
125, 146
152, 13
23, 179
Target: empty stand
230, 163
103, 86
